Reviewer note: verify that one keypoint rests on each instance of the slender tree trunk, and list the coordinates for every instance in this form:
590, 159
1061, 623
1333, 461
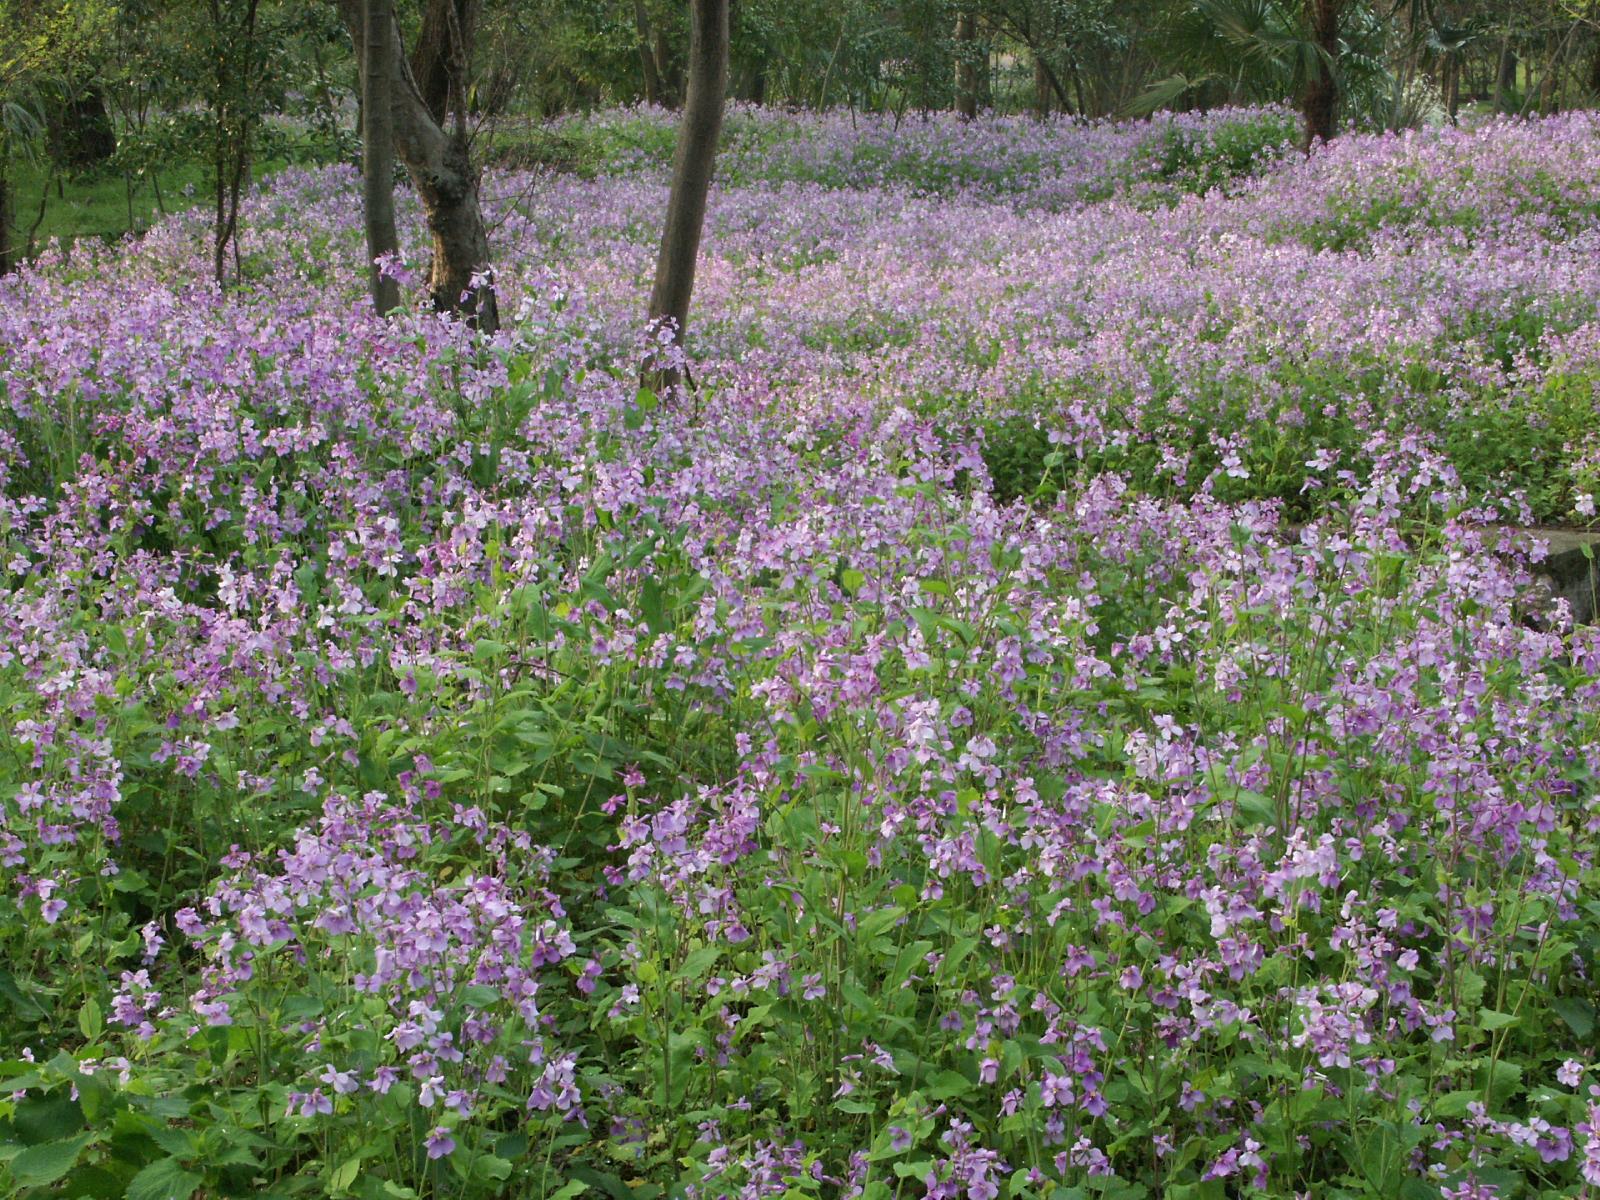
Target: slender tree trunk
10, 252
966, 66
441, 170
234, 120
1319, 102
647, 56
669, 72
691, 176
377, 149
1041, 86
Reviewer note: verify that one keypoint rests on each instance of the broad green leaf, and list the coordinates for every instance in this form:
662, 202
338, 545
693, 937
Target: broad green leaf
164, 1179
1492, 1020
1577, 1013
48, 1162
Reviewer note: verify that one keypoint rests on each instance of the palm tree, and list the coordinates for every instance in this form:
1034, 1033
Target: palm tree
1235, 51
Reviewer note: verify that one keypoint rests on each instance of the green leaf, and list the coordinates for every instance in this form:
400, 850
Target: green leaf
24, 1005
39, 1165
481, 1168
91, 1021
698, 963
480, 995
1577, 1013
948, 1084
575, 1187
652, 605
164, 1179
851, 580
486, 648
345, 1175
1252, 808
1454, 1104
46, 1118
1492, 1020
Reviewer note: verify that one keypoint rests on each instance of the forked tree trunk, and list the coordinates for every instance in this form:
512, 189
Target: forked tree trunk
691, 176
1505, 76
377, 149
441, 169
647, 56
1320, 100
966, 66
449, 31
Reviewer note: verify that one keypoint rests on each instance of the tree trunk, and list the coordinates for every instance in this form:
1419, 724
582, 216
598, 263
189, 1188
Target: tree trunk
1321, 96
669, 71
966, 66
441, 170
691, 177
10, 252
647, 56
81, 133
234, 119
1041, 86
449, 31
377, 149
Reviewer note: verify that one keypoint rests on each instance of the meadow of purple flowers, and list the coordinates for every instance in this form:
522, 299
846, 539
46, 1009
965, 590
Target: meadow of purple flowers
1061, 711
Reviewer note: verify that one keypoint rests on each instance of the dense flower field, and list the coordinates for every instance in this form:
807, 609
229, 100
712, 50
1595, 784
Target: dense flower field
1061, 711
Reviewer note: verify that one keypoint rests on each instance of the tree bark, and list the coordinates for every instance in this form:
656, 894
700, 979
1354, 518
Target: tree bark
81, 133
669, 71
647, 56
10, 252
436, 50
441, 170
377, 150
691, 177
1041, 86
966, 67
1321, 97
234, 120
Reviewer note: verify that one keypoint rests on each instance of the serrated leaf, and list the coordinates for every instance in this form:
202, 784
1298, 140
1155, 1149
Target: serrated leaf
1491, 1020
48, 1162
699, 962
164, 1179
949, 1084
